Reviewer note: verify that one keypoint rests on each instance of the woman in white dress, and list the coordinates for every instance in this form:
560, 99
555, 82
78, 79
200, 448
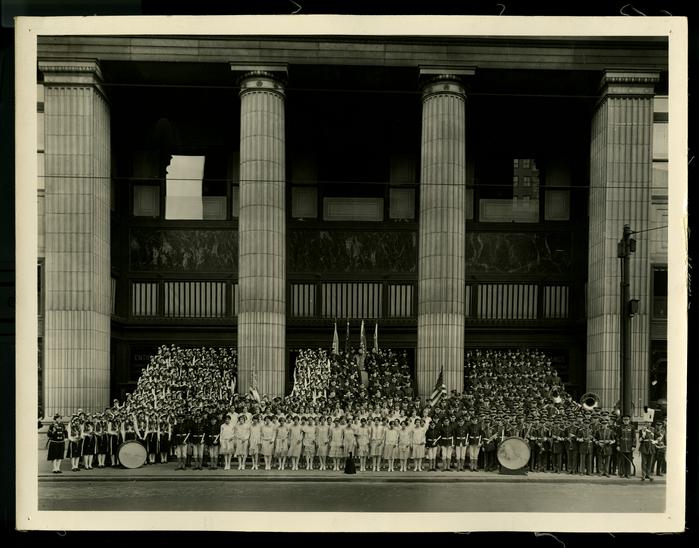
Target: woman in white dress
242, 439
323, 440
255, 440
336, 441
281, 443
226, 437
309, 441
267, 434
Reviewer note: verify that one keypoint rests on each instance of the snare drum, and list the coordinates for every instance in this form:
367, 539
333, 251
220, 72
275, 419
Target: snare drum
513, 453
132, 454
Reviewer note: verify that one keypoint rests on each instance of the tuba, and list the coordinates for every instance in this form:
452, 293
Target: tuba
589, 401
555, 395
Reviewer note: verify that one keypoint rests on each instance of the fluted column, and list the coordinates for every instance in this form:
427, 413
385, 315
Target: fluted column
262, 234
621, 159
77, 305
441, 265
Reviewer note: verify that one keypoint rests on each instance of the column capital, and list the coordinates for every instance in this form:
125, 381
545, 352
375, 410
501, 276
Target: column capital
71, 71
261, 77
440, 80
628, 82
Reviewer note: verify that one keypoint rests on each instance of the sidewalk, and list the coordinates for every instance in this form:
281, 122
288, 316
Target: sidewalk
167, 472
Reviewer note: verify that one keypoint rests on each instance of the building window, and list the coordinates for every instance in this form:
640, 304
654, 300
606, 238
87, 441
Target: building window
304, 202
659, 292
196, 188
500, 202
146, 200
402, 203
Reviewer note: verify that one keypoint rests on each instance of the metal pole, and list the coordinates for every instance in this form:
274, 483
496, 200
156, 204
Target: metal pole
625, 316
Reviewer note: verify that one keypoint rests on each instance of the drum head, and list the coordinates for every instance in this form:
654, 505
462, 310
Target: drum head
513, 453
132, 454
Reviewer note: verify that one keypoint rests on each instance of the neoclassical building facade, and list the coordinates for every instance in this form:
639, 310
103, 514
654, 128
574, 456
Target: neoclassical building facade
250, 192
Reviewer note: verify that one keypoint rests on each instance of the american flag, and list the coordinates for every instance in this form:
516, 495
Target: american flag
439, 389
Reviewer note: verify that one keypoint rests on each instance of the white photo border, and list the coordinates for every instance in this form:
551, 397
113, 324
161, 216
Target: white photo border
27, 31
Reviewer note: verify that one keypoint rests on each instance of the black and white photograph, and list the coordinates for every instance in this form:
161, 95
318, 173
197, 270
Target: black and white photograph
345, 273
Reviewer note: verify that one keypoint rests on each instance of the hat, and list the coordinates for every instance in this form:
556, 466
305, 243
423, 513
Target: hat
57, 416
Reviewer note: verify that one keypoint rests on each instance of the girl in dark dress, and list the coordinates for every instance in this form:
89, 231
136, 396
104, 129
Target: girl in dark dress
74, 445
152, 439
164, 437
102, 442
128, 432
113, 435
57, 435
88, 444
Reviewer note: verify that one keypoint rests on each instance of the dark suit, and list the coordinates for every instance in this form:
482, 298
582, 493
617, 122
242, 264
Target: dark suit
585, 442
605, 438
647, 450
571, 446
626, 440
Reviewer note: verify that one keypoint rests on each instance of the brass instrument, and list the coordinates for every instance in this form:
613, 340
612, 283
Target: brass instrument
555, 395
589, 401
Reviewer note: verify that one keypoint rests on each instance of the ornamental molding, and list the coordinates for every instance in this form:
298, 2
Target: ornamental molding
67, 66
437, 80
443, 85
628, 81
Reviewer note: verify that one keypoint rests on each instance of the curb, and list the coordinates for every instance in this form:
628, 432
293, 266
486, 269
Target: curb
344, 478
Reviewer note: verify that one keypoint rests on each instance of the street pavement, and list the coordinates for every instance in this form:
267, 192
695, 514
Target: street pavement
160, 487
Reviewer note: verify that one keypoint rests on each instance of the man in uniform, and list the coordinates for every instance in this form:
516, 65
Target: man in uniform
626, 441
446, 441
432, 443
181, 434
647, 450
571, 445
534, 440
490, 435
475, 436
585, 442
660, 438
557, 434
605, 439
460, 435
544, 445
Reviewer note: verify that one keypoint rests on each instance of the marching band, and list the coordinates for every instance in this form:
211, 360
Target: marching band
585, 445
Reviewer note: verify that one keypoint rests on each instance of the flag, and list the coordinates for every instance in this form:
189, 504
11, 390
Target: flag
362, 337
336, 341
376, 338
253, 388
347, 337
439, 389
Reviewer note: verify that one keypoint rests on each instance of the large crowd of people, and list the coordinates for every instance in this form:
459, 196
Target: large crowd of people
357, 408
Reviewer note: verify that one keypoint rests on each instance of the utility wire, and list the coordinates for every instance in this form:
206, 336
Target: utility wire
334, 182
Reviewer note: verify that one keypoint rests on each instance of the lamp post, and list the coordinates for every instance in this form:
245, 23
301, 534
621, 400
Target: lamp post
627, 309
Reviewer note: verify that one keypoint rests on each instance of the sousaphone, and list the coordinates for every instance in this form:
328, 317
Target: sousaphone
589, 401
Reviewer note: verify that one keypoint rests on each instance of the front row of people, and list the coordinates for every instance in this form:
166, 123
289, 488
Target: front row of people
373, 440
290, 443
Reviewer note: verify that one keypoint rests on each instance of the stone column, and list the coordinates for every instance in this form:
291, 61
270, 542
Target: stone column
621, 158
262, 234
441, 263
77, 217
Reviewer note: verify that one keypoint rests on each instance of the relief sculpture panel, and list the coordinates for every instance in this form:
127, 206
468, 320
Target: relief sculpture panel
518, 253
352, 251
183, 250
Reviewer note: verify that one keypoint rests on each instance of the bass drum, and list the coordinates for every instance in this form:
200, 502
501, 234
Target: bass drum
513, 453
132, 454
